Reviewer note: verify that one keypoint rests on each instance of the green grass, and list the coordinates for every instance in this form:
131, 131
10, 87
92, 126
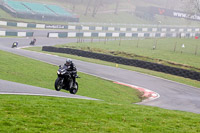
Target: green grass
122, 17
48, 114
154, 73
142, 50
165, 20
28, 71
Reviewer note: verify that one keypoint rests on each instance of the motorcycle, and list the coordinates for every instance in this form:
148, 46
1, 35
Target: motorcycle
65, 81
15, 44
33, 42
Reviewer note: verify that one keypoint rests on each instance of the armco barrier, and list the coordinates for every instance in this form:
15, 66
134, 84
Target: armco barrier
18, 34
143, 29
125, 61
115, 34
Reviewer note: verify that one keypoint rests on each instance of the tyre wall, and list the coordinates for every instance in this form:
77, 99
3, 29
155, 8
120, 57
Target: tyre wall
131, 62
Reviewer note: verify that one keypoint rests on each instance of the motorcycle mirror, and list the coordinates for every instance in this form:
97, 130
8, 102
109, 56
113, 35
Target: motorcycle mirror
59, 66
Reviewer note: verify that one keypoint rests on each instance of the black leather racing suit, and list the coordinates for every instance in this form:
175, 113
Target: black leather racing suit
73, 71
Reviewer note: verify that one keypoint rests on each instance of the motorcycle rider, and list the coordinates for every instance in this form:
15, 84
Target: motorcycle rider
33, 41
72, 69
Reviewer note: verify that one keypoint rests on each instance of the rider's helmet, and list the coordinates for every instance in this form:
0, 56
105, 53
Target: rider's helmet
15, 43
68, 61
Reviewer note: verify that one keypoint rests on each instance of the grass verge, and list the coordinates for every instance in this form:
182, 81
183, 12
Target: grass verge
48, 114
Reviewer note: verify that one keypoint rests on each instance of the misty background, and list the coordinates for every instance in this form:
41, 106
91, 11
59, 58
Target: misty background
126, 11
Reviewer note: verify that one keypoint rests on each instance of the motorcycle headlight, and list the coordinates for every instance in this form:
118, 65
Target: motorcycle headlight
58, 72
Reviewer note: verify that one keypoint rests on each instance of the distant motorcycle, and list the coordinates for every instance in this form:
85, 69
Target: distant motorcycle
15, 44
33, 42
65, 81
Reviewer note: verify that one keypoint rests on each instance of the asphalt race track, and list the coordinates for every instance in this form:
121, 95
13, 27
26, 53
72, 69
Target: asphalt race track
174, 96
8, 87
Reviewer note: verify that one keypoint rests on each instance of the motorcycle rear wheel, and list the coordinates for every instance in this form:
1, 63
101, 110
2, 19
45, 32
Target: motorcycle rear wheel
74, 89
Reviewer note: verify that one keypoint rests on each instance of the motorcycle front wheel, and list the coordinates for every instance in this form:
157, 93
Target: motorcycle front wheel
58, 84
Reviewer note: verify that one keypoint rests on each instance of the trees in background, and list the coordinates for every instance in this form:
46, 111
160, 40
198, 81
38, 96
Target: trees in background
195, 5
191, 6
93, 6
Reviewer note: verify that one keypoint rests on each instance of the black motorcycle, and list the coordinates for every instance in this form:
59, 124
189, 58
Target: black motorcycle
15, 44
65, 81
33, 42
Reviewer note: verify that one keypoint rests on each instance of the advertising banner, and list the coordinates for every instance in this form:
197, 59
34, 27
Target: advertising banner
54, 26
168, 12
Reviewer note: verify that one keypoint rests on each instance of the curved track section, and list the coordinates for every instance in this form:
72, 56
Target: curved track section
174, 96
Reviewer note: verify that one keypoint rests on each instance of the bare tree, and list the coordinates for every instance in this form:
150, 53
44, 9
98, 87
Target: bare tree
117, 6
97, 5
192, 6
196, 4
87, 7
73, 6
